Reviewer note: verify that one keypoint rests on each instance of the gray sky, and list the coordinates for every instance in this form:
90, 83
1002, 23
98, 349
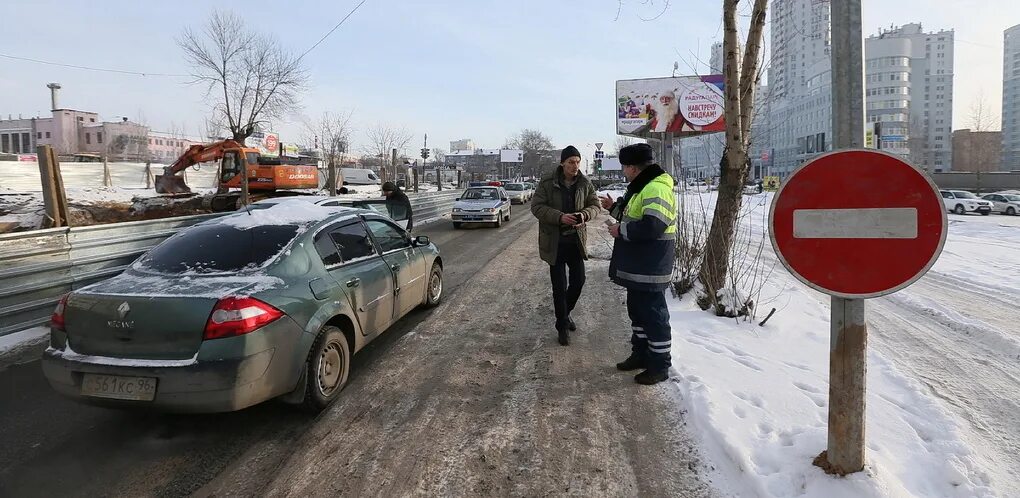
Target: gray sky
454, 69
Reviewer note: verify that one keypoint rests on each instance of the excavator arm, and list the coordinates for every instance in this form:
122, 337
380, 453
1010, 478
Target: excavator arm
170, 183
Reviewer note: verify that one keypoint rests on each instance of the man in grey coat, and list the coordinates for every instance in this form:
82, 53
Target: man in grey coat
564, 202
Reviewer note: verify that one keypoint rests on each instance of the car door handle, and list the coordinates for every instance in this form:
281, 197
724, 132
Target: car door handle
395, 267
354, 282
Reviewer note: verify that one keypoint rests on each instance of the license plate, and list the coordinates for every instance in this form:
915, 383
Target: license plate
119, 387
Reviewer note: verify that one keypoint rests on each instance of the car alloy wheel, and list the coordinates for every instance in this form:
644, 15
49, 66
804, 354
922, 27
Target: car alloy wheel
959, 209
1010, 211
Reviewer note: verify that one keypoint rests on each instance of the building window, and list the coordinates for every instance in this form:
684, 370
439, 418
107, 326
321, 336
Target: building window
88, 138
5, 143
92, 120
81, 118
99, 137
47, 134
38, 134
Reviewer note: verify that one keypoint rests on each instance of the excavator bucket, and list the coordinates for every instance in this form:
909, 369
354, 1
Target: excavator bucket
171, 184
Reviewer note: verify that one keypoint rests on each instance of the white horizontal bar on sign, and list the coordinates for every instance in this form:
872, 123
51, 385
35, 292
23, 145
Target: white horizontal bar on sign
867, 223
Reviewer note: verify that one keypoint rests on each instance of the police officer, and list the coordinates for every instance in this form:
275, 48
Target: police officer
642, 261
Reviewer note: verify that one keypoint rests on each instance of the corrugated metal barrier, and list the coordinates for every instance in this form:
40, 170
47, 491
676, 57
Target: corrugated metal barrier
38, 267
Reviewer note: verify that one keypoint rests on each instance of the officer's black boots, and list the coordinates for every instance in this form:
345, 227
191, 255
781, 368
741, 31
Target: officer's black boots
651, 377
633, 362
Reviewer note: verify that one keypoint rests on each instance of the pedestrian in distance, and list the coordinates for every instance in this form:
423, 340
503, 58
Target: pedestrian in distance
642, 261
397, 201
564, 202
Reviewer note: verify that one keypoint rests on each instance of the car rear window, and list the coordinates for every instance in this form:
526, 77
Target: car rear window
218, 249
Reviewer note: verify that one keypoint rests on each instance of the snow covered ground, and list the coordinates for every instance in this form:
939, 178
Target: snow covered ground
21, 197
943, 418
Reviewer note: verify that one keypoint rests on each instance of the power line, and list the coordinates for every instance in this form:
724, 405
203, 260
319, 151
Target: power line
106, 70
349, 14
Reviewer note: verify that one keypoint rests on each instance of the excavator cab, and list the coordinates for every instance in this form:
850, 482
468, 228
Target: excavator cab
231, 166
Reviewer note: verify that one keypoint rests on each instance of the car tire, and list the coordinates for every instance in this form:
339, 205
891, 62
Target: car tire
434, 287
960, 209
499, 220
1010, 211
508, 213
329, 363
985, 213
456, 225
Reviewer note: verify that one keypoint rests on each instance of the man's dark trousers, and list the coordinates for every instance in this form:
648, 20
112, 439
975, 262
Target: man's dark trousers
566, 291
650, 337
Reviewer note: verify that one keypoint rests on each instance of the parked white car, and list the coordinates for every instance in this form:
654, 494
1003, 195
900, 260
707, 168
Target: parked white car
518, 192
481, 205
963, 202
1004, 203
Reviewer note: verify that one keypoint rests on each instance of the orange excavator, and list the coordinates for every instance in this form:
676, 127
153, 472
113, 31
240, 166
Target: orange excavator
267, 177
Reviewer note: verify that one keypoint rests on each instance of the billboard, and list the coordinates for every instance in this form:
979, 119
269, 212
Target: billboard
683, 105
611, 164
511, 156
268, 144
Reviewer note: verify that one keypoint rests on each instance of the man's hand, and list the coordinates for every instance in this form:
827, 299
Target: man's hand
607, 202
614, 230
570, 219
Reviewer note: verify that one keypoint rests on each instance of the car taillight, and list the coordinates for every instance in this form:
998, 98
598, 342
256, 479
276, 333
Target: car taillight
234, 316
57, 319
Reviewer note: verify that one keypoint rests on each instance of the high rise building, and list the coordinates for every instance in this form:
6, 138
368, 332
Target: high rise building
909, 93
908, 89
799, 99
1011, 99
715, 62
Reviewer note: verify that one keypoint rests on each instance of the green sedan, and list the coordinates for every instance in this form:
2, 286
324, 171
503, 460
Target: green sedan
257, 305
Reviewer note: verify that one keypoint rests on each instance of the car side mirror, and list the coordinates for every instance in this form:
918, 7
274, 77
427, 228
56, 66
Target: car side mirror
421, 240
457, 199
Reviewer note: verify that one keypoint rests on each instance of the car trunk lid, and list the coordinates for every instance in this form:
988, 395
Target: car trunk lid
148, 316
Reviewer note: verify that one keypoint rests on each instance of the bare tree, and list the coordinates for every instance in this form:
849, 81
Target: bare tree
381, 142
249, 75
741, 79
332, 134
534, 143
623, 141
982, 117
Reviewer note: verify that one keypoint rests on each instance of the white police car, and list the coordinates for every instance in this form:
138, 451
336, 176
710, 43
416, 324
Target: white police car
481, 205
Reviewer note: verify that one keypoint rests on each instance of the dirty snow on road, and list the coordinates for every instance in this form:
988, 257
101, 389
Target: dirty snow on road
942, 412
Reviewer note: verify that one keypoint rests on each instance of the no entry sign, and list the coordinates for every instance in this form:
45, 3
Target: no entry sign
858, 223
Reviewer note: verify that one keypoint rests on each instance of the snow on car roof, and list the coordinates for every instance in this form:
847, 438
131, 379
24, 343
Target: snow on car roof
282, 213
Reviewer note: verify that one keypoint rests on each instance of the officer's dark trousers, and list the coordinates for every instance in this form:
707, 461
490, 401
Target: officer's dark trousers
650, 333
566, 289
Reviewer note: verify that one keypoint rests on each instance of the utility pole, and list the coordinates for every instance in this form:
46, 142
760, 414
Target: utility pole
849, 333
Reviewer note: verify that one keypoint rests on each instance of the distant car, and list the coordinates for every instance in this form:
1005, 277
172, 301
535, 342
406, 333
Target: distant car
1004, 203
518, 193
481, 205
615, 186
963, 202
241, 309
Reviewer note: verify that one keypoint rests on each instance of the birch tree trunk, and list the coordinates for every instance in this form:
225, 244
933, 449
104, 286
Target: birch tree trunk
740, 79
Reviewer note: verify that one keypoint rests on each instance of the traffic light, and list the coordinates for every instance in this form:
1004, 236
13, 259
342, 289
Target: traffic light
424, 153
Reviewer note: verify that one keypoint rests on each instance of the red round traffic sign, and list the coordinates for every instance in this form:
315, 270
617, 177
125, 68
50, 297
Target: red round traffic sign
858, 223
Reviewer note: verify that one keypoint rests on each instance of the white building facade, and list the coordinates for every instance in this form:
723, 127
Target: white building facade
1011, 99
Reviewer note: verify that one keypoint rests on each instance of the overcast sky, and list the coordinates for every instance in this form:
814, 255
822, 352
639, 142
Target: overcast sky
455, 69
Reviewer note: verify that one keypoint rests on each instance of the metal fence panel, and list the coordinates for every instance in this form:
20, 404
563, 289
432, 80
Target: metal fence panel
38, 267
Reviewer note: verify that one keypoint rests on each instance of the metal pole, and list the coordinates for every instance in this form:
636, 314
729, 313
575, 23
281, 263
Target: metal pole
849, 333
